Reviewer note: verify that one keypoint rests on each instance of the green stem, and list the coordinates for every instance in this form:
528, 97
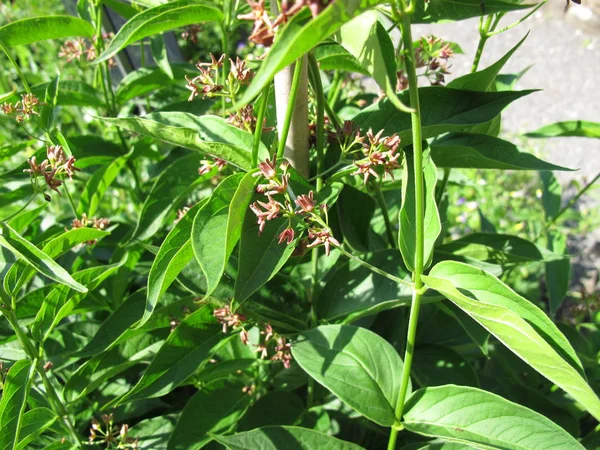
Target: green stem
260, 118
335, 89
290, 107
521, 20
57, 405
21, 209
571, 202
71, 202
384, 211
374, 269
483, 37
17, 68
419, 219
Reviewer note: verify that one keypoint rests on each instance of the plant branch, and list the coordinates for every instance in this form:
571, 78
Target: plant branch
260, 118
291, 104
374, 269
17, 68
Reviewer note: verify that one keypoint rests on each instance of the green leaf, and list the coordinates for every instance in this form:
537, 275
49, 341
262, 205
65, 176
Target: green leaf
444, 10
106, 365
354, 291
472, 416
187, 347
28, 31
159, 54
218, 226
501, 249
275, 408
479, 151
97, 185
355, 223
298, 37
551, 194
361, 368
484, 80
442, 110
558, 272
288, 438
432, 225
207, 134
34, 423
435, 365
61, 301
263, 257
56, 247
15, 390
148, 79
332, 56
579, 128
367, 40
217, 408
172, 257
517, 323
116, 325
158, 20
36, 258
51, 100
154, 433
168, 192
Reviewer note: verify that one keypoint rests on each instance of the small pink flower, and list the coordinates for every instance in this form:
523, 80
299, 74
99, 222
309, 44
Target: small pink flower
268, 168
366, 170
244, 337
262, 349
287, 235
267, 332
306, 203
322, 237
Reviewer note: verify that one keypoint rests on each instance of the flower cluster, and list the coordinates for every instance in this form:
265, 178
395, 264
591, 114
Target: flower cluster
263, 31
23, 109
98, 224
56, 166
306, 210
74, 49
207, 83
209, 164
378, 152
282, 349
110, 434
432, 54
228, 318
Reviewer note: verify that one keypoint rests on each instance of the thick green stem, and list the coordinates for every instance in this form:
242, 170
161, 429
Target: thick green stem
260, 118
419, 218
483, 37
17, 68
290, 107
55, 402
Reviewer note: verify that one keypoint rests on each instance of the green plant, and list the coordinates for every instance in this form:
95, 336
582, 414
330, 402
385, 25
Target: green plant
184, 266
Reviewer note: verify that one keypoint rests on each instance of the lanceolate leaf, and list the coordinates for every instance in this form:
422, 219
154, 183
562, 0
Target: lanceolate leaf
28, 31
34, 423
15, 390
217, 408
518, 324
278, 438
472, 416
148, 79
159, 19
579, 128
169, 190
263, 257
174, 254
480, 151
298, 37
97, 185
361, 368
442, 110
21, 273
432, 224
366, 39
36, 258
332, 56
217, 226
483, 80
207, 134
445, 10
187, 347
